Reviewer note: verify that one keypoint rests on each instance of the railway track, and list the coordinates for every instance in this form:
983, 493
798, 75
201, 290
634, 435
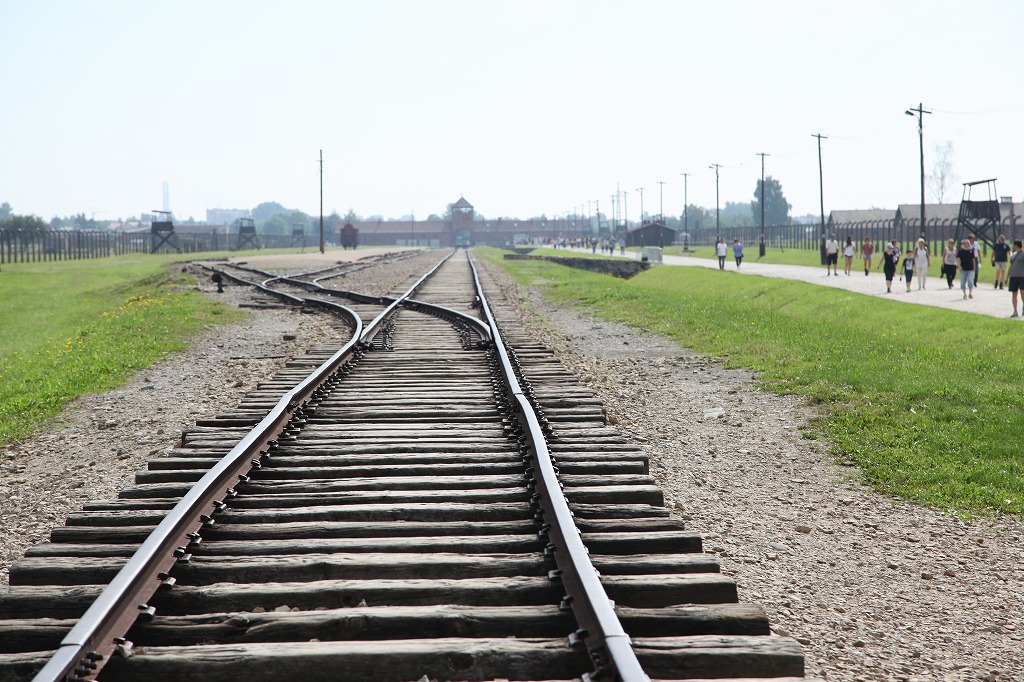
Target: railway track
399, 519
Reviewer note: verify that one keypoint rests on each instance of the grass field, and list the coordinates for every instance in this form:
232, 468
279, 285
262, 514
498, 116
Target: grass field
74, 327
927, 402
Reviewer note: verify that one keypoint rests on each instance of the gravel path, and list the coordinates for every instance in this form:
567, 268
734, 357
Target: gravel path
877, 589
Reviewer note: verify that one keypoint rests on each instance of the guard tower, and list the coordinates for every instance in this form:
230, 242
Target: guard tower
298, 235
162, 232
980, 217
246, 234
462, 223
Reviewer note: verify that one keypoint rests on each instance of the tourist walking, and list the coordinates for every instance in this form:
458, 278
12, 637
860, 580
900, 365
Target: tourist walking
831, 256
867, 250
967, 263
976, 248
921, 263
908, 270
737, 251
848, 251
1000, 256
1016, 273
890, 259
949, 262
721, 250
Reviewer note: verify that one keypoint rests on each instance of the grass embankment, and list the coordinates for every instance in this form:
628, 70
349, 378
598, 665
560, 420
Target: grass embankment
74, 327
927, 402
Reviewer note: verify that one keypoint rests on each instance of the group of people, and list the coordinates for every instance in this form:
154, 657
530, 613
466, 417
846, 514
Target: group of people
721, 250
1007, 263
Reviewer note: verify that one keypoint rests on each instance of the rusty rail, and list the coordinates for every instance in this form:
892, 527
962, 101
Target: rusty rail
599, 630
100, 631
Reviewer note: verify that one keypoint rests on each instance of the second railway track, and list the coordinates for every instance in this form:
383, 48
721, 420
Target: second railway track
399, 527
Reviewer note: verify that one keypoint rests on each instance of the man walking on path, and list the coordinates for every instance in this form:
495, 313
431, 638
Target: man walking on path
737, 251
720, 251
1016, 273
832, 256
1000, 255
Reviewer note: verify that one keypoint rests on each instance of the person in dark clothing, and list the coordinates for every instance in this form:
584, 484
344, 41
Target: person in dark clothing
967, 262
1000, 257
890, 259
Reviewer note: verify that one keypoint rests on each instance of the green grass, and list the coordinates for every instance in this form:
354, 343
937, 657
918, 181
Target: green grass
812, 258
75, 327
927, 402
772, 255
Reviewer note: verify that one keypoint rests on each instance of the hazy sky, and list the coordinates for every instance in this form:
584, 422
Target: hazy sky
524, 107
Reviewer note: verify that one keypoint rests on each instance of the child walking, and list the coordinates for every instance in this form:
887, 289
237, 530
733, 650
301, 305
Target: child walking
908, 269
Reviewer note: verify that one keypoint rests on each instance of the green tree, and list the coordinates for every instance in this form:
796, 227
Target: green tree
735, 214
5, 211
776, 208
299, 218
267, 209
697, 217
276, 224
24, 225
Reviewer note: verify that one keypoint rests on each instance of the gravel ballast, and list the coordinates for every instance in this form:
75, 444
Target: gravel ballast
875, 588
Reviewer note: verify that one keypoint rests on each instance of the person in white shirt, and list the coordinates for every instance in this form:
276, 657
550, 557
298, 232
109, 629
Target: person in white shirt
849, 250
721, 250
831, 256
921, 262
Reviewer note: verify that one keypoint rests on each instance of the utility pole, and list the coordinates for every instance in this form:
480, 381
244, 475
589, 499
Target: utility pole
761, 249
641, 190
921, 111
597, 214
321, 201
661, 202
821, 196
661, 213
686, 217
718, 230
625, 209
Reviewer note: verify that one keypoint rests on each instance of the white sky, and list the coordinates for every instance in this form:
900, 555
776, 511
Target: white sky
525, 107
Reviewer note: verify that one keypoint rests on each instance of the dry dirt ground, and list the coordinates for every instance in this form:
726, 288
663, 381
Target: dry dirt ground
875, 588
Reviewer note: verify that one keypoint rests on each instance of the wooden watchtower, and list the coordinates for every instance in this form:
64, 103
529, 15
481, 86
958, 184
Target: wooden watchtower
298, 235
979, 217
246, 234
162, 232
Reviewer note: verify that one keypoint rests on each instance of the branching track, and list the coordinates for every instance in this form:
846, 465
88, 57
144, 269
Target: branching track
401, 520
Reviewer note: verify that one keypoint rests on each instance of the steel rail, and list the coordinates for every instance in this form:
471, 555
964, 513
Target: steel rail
101, 629
445, 313
607, 643
474, 323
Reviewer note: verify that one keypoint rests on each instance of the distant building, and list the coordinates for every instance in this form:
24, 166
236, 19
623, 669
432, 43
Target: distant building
463, 229
226, 216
